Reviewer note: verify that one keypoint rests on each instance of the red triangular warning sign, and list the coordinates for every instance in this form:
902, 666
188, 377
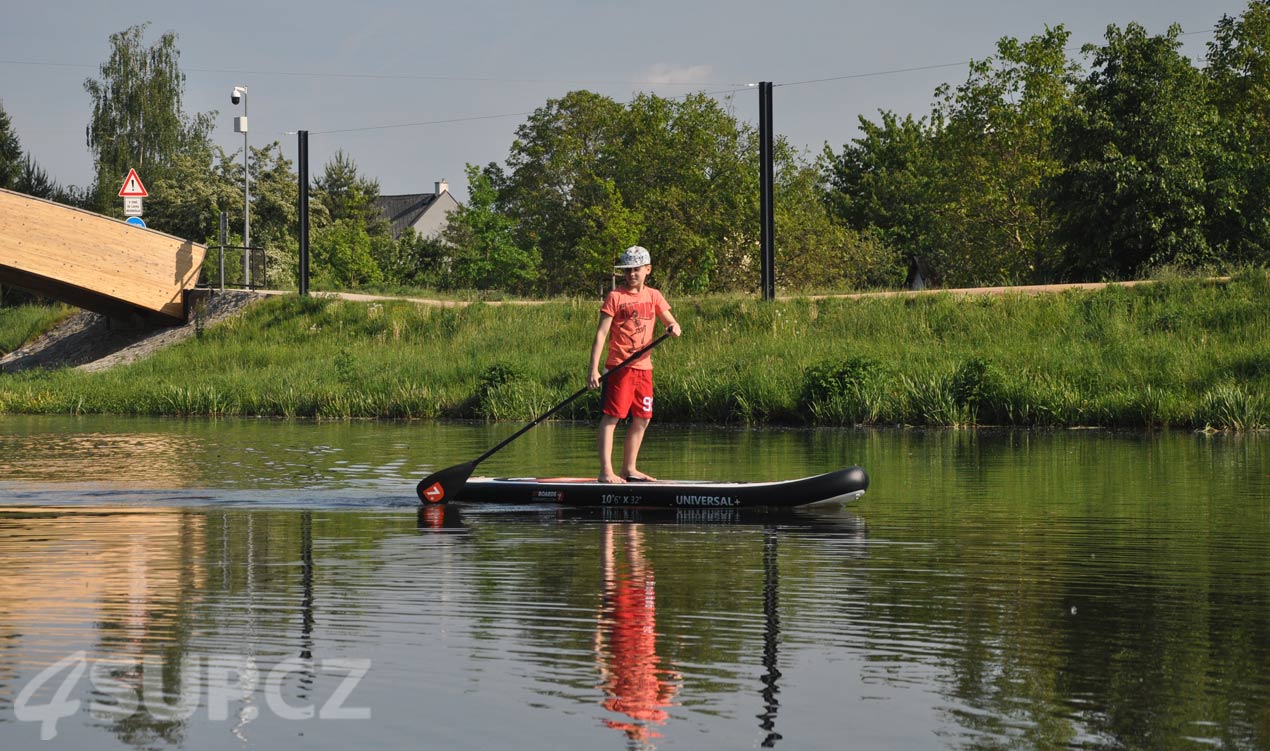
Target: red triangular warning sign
132, 187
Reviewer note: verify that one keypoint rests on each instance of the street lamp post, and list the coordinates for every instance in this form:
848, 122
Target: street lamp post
240, 126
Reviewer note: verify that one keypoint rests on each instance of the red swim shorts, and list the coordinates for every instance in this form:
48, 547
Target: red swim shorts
629, 390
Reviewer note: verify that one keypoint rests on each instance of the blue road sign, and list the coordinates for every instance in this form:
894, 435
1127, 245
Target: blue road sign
136, 220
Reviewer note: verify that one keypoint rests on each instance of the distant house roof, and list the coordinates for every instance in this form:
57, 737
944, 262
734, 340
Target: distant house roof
405, 210
426, 213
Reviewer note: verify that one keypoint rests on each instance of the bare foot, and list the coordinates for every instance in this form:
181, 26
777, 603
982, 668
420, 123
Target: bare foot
610, 478
639, 477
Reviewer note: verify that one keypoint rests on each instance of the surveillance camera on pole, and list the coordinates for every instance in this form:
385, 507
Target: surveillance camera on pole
240, 126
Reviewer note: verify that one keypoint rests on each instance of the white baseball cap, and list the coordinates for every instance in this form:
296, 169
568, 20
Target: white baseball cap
634, 257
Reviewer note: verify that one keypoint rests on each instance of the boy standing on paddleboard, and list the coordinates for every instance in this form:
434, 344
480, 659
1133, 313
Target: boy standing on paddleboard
627, 318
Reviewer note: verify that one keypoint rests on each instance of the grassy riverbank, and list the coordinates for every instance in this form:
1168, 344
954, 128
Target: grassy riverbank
22, 324
1184, 353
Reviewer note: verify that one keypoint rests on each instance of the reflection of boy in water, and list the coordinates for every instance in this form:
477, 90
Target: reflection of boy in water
626, 642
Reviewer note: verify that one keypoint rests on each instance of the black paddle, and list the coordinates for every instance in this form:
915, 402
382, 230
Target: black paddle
446, 484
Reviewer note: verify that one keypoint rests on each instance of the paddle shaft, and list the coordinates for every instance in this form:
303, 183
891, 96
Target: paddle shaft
634, 356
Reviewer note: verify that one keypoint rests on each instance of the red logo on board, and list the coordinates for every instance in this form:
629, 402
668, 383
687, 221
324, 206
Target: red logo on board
434, 493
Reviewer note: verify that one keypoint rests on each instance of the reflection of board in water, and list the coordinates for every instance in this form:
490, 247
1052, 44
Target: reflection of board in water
833, 519
678, 515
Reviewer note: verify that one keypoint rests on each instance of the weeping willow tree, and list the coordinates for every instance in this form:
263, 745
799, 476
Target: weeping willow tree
137, 120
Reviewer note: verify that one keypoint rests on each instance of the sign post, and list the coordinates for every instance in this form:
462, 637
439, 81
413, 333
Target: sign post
132, 192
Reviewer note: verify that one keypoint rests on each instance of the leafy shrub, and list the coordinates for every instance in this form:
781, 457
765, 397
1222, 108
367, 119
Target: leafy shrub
977, 387
827, 380
851, 391
516, 400
346, 368
930, 400
496, 387
496, 375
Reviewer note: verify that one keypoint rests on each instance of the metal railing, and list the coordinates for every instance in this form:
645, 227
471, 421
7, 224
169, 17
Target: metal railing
238, 267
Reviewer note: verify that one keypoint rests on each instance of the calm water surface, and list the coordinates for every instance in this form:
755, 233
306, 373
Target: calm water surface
257, 584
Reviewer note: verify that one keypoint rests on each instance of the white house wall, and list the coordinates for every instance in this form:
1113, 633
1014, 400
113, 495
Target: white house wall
434, 220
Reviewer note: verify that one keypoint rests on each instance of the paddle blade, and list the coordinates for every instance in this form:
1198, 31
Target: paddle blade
443, 486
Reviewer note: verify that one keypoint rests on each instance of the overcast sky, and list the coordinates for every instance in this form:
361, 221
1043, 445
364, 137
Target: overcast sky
346, 71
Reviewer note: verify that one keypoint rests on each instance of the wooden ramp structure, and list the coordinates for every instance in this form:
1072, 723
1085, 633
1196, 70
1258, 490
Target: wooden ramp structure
95, 262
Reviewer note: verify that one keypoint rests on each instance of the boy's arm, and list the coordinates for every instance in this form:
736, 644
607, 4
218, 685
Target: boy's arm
668, 320
597, 349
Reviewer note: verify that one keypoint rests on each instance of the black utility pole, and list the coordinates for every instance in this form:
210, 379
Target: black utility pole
303, 159
767, 232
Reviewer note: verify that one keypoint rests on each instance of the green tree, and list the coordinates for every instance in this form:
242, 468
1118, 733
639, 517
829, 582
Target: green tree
690, 171
996, 149
10, 152
560, 190
344, 256
416, 260
480, 243
1132, 193
1238, 67
587, 177
1238, 76
887, 181
137, 120
963, 188
351, 235
275, 218
813, 251
188, 197
347, 194
35, 181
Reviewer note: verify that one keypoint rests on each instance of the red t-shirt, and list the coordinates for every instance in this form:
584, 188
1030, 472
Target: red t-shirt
634, 315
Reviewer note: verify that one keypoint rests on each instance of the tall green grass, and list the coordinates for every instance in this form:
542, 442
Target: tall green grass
21, 324
1180, 353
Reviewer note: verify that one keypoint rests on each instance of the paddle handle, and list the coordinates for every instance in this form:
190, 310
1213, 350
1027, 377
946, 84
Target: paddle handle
634, 356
